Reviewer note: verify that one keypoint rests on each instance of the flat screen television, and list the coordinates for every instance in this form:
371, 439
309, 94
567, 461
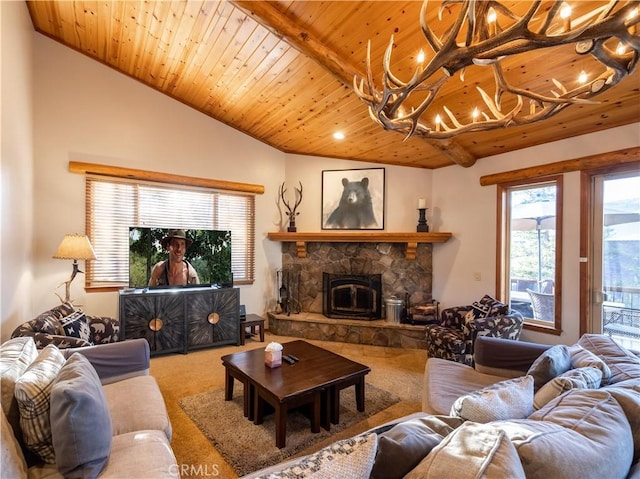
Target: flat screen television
209, 254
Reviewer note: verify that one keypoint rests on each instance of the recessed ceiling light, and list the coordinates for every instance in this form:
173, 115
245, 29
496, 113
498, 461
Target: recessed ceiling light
338, 135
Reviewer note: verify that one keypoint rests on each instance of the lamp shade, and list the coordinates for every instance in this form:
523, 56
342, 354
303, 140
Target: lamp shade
75, 247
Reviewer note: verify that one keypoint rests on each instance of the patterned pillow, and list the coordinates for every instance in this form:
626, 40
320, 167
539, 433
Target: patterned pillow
349, 458
76, 326
581, 378
33, 393
489, 307
510, 399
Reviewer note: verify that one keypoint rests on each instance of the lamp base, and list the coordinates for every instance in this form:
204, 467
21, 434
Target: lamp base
422, 228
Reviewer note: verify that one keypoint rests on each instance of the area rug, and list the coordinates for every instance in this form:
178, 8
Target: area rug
247, 447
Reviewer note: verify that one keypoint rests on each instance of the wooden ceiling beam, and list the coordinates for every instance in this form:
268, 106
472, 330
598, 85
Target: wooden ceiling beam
267, 15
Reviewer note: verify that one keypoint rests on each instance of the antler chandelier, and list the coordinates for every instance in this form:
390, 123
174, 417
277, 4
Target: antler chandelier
487, 33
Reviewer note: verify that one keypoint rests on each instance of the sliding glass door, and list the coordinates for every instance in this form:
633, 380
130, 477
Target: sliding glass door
615, 253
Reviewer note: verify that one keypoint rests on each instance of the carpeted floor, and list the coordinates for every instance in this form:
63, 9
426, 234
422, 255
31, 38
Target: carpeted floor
396, 370
247, 447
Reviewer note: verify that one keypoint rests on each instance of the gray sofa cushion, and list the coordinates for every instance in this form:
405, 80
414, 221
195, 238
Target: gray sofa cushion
623, 363
581, 358
553, 362
580, 435
137, 404
146, 454
80, 420
445, 381
402, 447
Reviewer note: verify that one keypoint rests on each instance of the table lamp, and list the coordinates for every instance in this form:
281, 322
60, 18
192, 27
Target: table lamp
75, 247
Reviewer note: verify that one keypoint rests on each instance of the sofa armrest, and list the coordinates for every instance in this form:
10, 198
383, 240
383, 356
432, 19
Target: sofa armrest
505, 357
117, 361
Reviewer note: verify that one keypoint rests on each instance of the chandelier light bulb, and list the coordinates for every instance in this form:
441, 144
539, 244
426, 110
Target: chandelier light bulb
421, 56
338, 135
565, 14
475, 114
438, 122
621, 49
582, 78
492, 17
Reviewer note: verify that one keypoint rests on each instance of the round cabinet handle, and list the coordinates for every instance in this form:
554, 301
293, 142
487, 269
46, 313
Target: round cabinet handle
156, 324
213, 318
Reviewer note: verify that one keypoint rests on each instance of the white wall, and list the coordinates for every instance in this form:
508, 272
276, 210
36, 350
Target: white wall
403, 187
16, 167
469, 211
86, 111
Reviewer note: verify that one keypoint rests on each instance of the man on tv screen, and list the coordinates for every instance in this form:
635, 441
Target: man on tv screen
176, 271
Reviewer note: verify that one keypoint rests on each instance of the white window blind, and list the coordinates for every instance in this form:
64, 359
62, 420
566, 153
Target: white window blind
115, 204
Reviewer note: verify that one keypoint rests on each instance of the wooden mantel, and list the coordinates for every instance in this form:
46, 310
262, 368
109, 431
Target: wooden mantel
410, 239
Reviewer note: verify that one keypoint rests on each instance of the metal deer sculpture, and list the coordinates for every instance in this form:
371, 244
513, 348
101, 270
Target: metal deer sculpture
291, 213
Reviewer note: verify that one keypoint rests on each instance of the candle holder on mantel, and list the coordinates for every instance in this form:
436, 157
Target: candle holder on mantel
422, 227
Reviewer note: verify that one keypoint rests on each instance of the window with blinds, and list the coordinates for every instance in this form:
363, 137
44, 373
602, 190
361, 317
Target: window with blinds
116, 204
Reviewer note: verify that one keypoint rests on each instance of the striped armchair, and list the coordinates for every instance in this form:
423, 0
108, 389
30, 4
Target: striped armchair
66, 326
453, 338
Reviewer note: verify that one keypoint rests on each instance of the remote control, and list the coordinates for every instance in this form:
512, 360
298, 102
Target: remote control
288, 359
294, 358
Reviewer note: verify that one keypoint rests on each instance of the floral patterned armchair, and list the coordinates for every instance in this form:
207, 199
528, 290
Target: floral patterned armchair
66, 326
454, 337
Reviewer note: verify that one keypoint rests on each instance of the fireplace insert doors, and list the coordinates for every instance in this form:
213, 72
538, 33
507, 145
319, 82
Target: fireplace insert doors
350, 296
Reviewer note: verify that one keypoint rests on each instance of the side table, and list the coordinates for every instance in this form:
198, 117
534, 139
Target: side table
253, 321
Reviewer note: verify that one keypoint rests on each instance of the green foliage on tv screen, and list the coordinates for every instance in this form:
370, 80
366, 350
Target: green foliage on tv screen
209, 254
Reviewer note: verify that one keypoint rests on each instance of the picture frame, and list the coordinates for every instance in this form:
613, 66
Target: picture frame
353, 199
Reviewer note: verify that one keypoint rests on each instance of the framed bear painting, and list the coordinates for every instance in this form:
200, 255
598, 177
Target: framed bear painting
353, 199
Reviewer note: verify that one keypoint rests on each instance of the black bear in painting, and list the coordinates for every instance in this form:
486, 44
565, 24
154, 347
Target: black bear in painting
355, 210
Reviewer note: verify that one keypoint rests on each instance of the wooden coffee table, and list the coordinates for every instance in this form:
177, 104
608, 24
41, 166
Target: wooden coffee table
316, 379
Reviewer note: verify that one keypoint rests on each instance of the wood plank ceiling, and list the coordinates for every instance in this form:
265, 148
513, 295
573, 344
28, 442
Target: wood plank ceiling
288, 83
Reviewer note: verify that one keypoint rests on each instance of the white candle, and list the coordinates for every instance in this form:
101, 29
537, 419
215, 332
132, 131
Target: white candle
422, 203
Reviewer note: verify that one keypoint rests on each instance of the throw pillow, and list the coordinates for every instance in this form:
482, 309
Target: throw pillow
80, 420
349, 458
402, 448
581, 358
472, 451
553, 362
33, 393
581, 378
489, 307
15, 357
510, 399
76, 326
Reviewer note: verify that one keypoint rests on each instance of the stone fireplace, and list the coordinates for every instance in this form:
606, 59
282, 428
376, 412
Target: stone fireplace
402, 261
399, 275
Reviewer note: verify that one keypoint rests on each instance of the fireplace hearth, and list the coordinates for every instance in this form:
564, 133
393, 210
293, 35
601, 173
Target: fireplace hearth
351, 296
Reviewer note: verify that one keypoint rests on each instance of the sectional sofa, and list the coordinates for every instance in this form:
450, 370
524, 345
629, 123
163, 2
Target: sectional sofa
524, 411
82, 413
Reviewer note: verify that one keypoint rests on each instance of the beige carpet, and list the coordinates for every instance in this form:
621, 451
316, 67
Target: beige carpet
247, 447
181, 375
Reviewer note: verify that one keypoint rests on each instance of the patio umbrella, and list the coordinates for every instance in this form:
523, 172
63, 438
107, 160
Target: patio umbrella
540, 215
